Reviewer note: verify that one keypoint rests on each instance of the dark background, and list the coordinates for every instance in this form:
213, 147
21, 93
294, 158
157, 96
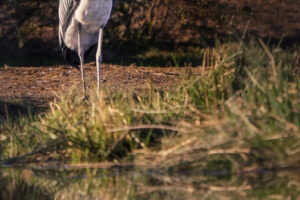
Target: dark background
28, 31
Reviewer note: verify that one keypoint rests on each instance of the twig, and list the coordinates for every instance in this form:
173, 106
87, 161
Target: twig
228, 151
253, 79
231, 188
244, 34
243, 117
269, 55
287, 123
96, 165
151, 126
230, 57
175, 148
150, 111
171, 74
151, 189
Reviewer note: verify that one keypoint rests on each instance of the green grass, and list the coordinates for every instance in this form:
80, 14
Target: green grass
241, 113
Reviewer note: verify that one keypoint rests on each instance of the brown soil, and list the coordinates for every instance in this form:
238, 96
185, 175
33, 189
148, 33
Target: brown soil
38, 85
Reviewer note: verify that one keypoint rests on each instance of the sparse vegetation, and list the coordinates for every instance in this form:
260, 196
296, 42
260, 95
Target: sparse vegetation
241, 113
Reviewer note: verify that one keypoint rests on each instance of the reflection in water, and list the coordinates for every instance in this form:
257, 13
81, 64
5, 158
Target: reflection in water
134, 184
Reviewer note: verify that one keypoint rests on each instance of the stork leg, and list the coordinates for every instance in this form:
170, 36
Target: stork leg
81, 57
99, 57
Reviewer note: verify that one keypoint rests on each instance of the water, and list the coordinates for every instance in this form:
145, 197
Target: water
119, 183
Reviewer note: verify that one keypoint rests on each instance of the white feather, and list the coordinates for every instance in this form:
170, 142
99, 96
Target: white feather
92, 15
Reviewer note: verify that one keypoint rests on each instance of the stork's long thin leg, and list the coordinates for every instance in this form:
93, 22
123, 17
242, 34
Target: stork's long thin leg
99, 57
81, 57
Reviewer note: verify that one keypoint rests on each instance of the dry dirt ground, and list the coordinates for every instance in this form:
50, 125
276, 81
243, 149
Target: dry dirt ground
38, 85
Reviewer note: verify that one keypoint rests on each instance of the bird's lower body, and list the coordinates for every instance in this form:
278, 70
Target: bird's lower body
98, 58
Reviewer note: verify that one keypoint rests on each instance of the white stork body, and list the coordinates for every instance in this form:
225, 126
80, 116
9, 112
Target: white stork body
95, 12
81, 26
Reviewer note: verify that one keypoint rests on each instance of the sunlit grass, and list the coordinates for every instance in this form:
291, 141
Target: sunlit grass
241, 113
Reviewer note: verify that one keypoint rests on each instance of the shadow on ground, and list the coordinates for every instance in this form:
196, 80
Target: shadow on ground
12, 110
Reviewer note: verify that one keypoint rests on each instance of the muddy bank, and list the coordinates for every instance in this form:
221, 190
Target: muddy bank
38, 85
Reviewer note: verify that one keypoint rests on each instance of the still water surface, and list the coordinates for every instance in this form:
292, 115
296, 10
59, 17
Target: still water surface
91, 183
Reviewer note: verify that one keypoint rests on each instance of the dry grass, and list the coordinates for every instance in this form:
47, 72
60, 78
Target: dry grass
241, 114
